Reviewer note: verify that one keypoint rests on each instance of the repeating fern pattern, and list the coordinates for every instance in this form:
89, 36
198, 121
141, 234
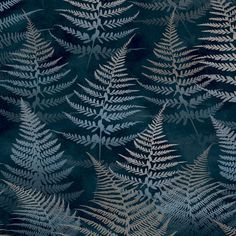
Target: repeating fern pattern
105, 108
37, 77
93, 24
106, 105
176, 80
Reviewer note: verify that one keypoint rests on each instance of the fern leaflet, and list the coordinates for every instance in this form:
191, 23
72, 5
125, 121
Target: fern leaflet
186, 11
229, 231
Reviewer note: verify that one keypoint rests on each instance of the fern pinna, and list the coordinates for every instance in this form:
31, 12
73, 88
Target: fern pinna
105, 105
228, 231
37, 77
8, 19
174, 78
117, 210
37, 214
186, 10
154, 161
227, 143
195, 200
37, 155
220, 48
93, 23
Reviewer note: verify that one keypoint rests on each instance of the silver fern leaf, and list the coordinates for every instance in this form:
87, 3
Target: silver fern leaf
105, 105
7, 20
117, 210
36, 77
38, 214
220, 46
186, 11
227, 143
195, 199
94, 23
228, 231
174, 77
154, 161
39, 161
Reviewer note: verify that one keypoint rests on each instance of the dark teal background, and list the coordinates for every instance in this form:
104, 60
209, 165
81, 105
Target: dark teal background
189, 146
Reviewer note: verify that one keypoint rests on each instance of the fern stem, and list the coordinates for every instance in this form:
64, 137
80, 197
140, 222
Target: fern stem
90, 54
100, 145
193, 125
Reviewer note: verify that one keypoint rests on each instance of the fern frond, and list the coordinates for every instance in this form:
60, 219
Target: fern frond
94, 23
37, 214
229, 231
117, 210
5, 5
186, 11
227, 143
154, 162
195, 199
176, 80
8, 20
219, 44
105, 105
37, 156
35, 75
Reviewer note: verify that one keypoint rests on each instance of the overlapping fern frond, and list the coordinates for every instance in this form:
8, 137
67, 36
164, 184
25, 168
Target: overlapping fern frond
38, 159
227, 143
154, 161
117, 210
186, 10
195, 199
105, 105
38, 214
229, 231
8, 19
174, 77
94, 23
220, 46
37, 77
